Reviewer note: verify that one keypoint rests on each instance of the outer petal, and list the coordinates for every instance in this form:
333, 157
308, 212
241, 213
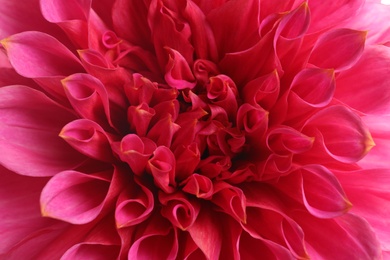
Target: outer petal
19, 208
17, 16
36, 54
341, 133
355, 238
29, 126
82, 194
369, 81
338, 49
330, 14
369, 192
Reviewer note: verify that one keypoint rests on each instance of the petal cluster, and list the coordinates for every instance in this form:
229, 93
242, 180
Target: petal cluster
194, 129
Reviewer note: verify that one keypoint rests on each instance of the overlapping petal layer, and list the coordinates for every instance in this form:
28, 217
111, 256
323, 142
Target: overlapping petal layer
194, 129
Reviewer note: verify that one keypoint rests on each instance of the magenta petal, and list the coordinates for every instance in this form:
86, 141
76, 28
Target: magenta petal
134, 205
30, 126
135, 151
82, 194
59, 11
338, 49
342, 133
178, 73
88, 138
179, 209
159, 236
322, 194
369, 192
206, 233
162, 167
19, 208
371, 94
91, 251
285, 140
199, 185
89, 97
49, 56
355, 238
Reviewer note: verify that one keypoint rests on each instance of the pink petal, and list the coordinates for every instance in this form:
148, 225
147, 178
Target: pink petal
341, 133
325, 15
373, 17
134, 205
206, 233
37, 55
91, 251
378, 157
70, 188
177, 71
235, 17
19, 208
187, 159
135, 151
322, 194
162, 167
89, 98
230, 200
139, 118
22, 16
159, 236
71, 16
88, 138
338, 49
369, 192
371, 93
355, 238
179, 209
199, 185
285, 140
130, 22
30, 126
311, 88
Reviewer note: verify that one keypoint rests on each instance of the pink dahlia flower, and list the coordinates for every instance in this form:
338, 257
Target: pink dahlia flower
194, 129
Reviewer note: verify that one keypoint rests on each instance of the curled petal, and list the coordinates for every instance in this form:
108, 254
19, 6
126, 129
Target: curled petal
285, 140
341, 133
135, 151
30, 123
71, 16
70, 188
230, 200
253, 120
139, 118
88, 138
179, 209
178, 73
322, 194
187, 159
311, 88
162, 132
89, 97
199, 185
295, 23
263, 91
134, 205
203, 70
162, 167
160, 236
338, 49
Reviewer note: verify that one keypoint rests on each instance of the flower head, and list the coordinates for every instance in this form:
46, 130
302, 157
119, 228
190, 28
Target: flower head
194, 129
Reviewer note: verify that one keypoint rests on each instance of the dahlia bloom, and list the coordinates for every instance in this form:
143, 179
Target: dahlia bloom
194, 129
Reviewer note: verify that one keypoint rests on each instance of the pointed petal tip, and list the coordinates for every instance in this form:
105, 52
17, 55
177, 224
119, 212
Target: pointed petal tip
369, 144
